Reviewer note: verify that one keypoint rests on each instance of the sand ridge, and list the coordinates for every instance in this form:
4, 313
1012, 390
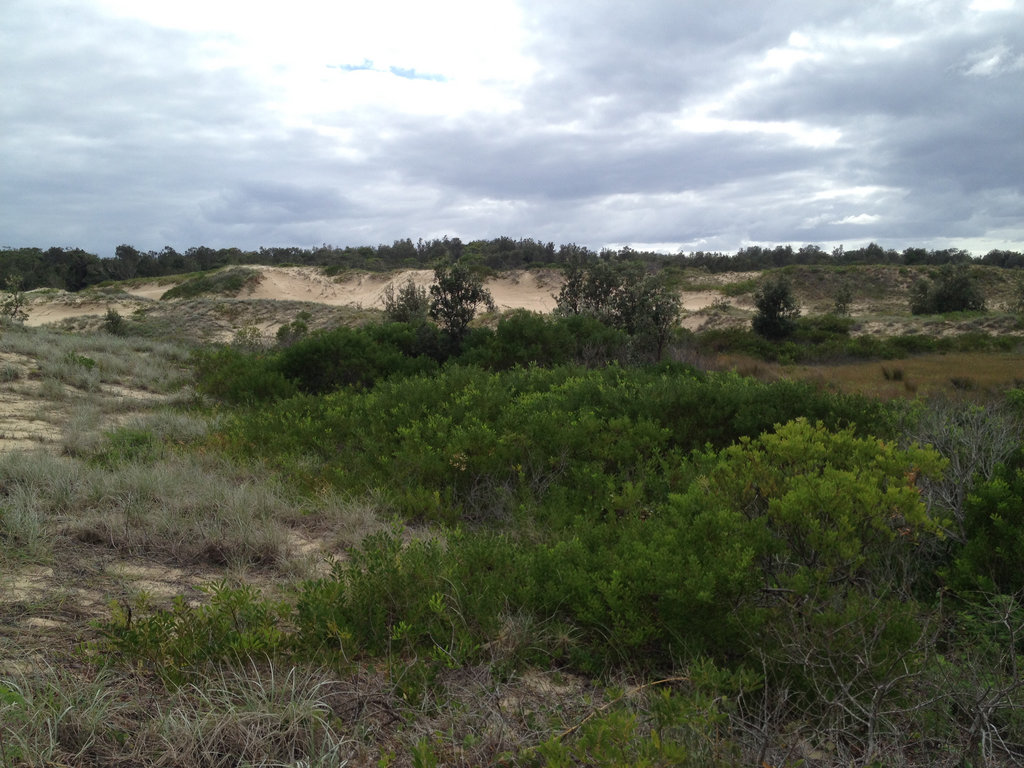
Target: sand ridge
535, 291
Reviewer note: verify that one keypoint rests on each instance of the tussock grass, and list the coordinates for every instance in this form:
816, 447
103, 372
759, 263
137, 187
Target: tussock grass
260, 715
86, 361
55, 717
919, 375
144, 500
183, 508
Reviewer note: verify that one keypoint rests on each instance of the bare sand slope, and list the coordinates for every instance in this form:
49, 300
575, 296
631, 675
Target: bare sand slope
514, 290
53, 308
308, 284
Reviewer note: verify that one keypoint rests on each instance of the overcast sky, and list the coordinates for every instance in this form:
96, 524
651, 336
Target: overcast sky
693, 124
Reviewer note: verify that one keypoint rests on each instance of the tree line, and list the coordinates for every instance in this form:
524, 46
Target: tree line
73, 269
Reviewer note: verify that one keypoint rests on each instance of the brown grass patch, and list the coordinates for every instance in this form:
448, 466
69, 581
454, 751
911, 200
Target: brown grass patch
985, 372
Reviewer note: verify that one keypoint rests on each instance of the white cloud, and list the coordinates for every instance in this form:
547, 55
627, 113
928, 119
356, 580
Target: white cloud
860, 218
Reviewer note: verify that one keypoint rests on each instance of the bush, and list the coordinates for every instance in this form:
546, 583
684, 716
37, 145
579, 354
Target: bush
289, 333
470, 443
530, 338
993, 549
227, 282
953, 289
793, 515
345, 357
455, 296
409, 305
114, 324
240, 377
776, 307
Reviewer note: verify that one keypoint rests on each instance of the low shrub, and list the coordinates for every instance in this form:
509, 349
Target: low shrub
993, 527
240, 377
228, 282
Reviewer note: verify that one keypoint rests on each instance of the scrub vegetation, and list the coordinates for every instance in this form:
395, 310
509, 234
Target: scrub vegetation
448, 535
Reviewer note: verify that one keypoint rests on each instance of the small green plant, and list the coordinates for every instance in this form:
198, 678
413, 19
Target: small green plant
844, 298
249, 339
289, 333
237, 624
114, 323
14, 301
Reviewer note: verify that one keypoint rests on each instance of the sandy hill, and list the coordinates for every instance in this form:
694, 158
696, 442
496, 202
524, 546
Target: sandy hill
880, 299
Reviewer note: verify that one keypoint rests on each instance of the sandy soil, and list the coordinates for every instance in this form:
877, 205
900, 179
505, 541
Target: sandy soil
54, 307
515, 290
526, 290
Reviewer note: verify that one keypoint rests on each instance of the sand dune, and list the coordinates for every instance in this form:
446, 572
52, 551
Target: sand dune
514, 290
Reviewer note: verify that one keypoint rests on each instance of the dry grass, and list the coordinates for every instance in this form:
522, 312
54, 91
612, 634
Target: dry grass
923, 375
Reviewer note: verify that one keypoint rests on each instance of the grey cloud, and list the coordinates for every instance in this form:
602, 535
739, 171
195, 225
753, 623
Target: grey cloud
116, 134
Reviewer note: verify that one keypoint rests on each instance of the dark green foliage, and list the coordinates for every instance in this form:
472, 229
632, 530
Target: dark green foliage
226, 283
481, 444
992, 554
289, 333
410, 304
455, 297
114, 323
776, 309
530, 338
953, 289
347, 357
240, 377
622, 295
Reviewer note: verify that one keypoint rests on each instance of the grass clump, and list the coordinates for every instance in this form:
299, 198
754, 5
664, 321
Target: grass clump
227, 282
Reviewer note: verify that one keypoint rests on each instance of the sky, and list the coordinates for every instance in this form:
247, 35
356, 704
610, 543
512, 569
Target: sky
665, 125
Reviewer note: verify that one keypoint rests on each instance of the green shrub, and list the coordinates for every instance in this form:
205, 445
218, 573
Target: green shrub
409, 305
800, 511
776, 309
114, 323
344, 357
467, 442
239, 377
297, 329
237, 624
228, 282
952, 289
991, 556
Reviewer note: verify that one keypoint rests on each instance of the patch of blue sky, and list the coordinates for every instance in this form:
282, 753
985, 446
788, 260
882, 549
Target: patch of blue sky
412, 74
407, 73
